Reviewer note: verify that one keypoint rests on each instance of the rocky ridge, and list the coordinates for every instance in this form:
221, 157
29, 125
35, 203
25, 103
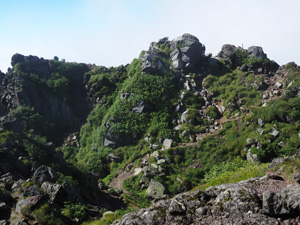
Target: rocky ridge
264, 200
30, 183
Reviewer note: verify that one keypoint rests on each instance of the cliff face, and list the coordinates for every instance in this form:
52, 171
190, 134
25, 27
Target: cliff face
54, 89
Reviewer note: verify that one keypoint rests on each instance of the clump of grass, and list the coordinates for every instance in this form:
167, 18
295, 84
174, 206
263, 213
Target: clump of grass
237, 175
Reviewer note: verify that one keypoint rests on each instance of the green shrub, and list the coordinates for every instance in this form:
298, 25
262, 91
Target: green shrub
75, 211
44, 215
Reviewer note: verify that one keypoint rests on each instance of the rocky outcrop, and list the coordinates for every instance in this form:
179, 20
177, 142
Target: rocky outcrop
27, 85
256, 52
45, 173
151, 62
246, 202
186, 52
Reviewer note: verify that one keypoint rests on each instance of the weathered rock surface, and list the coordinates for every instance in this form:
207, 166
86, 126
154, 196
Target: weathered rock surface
155, 190
151, 63
45, 173
246, 202
256, 52
186, 51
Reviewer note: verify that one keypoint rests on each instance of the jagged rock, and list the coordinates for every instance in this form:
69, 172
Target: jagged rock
31, 191
297, 177
141, 107
17, 185
274, 132
109, 143
155, 154
284, 203
281, 144
155, 190
256, 52
186, 51
168, 143
45, 173
114, 158
149, 172
228, 53
4, 222
278, 84
161, 161
176, 208
33, 200
151, 63
277, 161
183, 116
60, 193
260, 131
252, 157
54, 191
224, 204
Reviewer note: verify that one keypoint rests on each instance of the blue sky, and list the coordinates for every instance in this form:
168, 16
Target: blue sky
113, 32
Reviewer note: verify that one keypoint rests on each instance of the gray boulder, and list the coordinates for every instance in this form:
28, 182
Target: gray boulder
141, 107
186, 51
54, 191
151, 63
168, 143
256, 52
60, 193
155, 190
274, 132
228, 53
284, 203
229, 56
45, 173
27, 202
252, 157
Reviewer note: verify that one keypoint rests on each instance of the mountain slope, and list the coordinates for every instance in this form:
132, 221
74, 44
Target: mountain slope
173, 119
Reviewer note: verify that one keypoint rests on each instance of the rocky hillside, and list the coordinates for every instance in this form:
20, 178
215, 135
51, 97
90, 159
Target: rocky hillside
83, 142
270, 199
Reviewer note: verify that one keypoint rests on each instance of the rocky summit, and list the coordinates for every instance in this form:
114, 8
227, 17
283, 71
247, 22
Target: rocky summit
178, 136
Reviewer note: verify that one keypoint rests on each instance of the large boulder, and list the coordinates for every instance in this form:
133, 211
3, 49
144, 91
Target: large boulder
186, 51
155, 190
229, 56
28, 202
151, 62
60, 193
256, 52
285, 203
45, 173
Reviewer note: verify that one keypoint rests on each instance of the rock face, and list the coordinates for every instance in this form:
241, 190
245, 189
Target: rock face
151, 63
246, 202
186, 52
257, 52
28, 86
285, 203
45, 173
